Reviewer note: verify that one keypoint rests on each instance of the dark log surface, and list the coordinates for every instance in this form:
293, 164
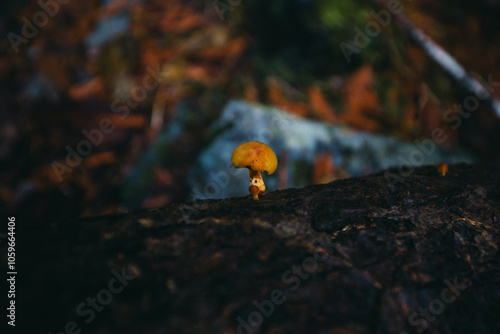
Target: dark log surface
353, 256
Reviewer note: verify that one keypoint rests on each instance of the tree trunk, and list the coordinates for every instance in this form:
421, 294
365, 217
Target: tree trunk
376, 254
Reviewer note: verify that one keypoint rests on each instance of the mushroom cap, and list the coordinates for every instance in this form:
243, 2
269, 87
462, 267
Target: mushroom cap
256, 156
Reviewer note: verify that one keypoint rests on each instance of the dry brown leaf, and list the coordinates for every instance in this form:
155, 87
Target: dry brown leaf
157, 201
163, 177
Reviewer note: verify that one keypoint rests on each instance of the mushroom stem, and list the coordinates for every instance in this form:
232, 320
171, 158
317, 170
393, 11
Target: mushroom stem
257, 186
254, 190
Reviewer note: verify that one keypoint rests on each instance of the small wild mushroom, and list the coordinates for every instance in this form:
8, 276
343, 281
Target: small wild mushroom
257, 157
442, 168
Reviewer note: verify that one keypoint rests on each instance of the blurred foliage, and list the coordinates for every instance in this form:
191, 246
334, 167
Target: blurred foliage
343, 14
285, 53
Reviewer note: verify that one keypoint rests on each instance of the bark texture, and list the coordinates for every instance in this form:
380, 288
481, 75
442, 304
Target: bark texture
354, 256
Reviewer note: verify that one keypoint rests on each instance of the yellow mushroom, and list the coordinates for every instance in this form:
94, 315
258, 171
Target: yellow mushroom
442, 168
257, 157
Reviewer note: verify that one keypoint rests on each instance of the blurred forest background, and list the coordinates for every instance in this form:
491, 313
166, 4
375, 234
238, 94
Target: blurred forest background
90, 57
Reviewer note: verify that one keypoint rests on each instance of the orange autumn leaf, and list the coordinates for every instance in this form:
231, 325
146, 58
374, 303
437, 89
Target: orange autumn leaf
277, 97
325, 171
98, 159
87, 90
320, 105
232, 49
361, 99
251, 93
130, 122
179, 19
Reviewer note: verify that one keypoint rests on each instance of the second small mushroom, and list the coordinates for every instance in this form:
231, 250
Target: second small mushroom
257, 157
442, 168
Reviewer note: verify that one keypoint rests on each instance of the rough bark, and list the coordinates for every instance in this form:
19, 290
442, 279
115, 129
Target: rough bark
354, 256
